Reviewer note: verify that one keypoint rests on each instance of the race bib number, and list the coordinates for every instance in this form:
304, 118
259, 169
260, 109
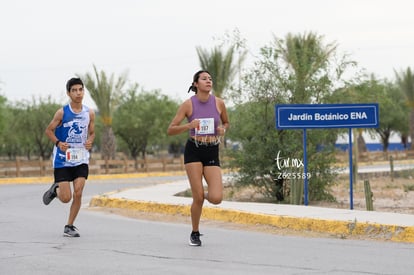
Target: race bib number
76, 155
206, 126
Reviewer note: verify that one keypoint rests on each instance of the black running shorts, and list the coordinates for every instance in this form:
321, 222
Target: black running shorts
71, 173
207, 154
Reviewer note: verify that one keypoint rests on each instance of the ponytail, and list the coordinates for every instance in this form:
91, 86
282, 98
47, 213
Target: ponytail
192, 88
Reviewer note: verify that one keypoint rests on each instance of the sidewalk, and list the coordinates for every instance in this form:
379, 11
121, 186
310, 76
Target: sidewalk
161, 198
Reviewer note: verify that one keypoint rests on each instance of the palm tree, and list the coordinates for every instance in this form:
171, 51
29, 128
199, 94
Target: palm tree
405, 80
307, 58
221, 67
105, 92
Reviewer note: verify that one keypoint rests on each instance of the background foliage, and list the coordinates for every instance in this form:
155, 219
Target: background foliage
297, 68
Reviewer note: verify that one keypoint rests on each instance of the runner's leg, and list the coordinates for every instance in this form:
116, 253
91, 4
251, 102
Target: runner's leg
194, 173
213, 177
64, 193
78, 185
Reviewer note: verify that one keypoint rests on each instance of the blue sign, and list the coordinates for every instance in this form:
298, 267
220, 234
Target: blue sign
301, 116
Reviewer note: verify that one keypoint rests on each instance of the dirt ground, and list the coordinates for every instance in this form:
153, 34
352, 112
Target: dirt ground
389, 195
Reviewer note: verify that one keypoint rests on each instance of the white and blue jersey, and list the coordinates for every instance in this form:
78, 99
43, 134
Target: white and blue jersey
74, 131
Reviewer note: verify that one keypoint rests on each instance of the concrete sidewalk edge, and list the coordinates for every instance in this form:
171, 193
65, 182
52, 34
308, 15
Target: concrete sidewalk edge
338, 228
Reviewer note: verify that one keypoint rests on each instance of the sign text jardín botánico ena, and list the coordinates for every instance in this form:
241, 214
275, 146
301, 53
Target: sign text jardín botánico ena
300, 116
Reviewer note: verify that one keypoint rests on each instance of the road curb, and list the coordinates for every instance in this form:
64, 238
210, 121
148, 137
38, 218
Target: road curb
49, 179
341, 229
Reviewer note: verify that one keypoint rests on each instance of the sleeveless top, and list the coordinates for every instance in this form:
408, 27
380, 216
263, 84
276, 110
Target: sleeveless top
208, 115
73, 130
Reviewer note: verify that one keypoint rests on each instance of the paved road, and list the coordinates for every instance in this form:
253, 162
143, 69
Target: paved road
31, 242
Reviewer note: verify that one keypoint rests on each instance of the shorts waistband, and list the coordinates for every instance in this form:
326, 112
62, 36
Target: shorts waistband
203, 143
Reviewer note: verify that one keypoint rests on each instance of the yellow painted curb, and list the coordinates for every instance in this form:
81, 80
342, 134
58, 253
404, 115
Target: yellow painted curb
36, 180
339, 228
26, 180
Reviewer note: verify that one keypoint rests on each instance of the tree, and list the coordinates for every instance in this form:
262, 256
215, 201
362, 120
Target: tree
223, 65
7, 146
28, 127
11, 140
3, 101
297, 69
105, 92
393, 112
219, 65
142, 119
405, 81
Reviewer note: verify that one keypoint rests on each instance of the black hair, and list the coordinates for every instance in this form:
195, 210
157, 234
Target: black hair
73, 81
195, 79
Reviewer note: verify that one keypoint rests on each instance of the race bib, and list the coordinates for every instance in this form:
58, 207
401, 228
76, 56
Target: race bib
76, 155
206, 126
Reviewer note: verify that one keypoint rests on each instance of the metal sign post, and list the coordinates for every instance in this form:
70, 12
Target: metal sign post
321, 116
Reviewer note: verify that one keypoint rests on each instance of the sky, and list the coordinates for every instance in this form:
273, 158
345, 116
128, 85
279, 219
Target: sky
45, 42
